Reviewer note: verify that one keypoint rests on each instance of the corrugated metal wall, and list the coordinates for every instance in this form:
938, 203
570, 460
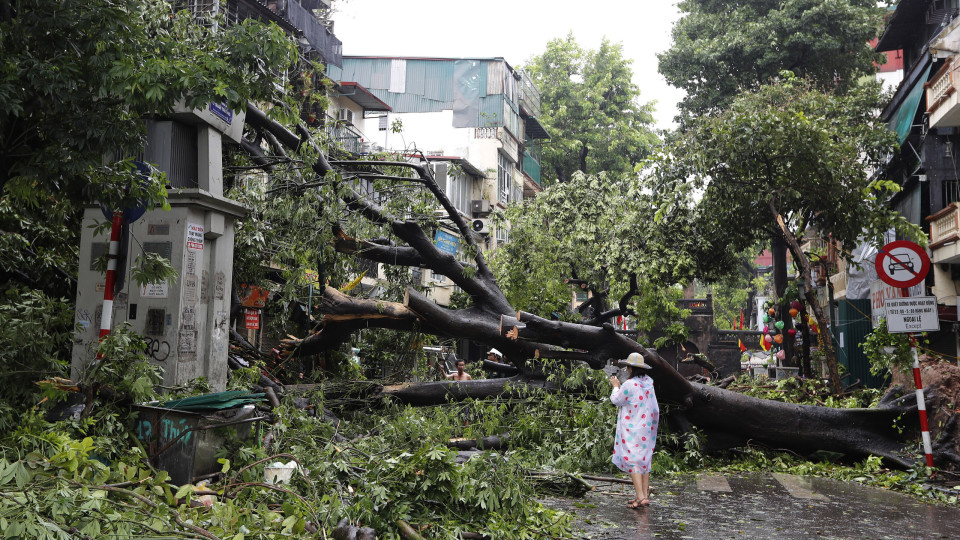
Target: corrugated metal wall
853, 320
429, 87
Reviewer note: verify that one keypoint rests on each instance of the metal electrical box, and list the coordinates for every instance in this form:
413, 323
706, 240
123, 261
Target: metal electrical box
185, 321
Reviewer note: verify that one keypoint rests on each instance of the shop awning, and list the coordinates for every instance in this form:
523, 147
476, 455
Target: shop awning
902, 120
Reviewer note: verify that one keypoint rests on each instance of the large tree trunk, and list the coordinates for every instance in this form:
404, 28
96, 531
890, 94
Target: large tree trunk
727, 417
810, 293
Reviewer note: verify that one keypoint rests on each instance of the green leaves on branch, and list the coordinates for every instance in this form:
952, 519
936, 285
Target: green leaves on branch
721, 49
791, 149
79, 78
591, 109
886, 350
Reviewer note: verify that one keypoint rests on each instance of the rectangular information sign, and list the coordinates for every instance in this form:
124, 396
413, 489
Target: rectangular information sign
914, 314
251, 319
880, 292
194, 236
447, 242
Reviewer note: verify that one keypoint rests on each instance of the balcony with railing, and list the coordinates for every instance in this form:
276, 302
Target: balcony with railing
530, 109
531, 166
510, 145
529, 95
944, 235
943, 105
345, 135
296, 17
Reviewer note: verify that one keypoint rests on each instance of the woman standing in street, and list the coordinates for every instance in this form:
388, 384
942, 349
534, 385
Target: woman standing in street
637, 422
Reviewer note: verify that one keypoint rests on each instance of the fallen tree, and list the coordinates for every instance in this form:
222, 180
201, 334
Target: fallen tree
727, 418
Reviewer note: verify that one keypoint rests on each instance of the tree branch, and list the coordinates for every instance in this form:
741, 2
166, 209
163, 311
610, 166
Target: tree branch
811, 297
386, 254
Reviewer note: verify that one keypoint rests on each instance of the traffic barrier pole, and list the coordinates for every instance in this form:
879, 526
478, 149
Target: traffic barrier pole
921, 404
113, 254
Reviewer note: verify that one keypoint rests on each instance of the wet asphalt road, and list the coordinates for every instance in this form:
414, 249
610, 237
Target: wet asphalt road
761, 506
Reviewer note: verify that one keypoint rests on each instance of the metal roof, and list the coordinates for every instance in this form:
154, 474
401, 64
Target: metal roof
535, 129
468, 167
427, 84
442, 58
361, 96
908, 16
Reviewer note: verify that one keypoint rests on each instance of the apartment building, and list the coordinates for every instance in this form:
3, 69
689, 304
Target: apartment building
475, 119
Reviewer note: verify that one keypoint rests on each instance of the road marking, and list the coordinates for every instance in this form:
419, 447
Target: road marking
711, 482
797, 486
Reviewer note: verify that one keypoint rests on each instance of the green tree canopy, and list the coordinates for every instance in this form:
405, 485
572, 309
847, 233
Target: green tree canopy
723, 48
792, 150
601, 229
782, 159
77, 80
591, 109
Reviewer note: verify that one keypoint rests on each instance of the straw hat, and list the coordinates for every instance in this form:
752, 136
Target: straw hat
635, 360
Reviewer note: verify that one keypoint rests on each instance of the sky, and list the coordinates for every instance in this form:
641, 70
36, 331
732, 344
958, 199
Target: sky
515, 30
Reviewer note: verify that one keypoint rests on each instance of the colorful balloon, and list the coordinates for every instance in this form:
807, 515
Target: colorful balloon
781, 355
766, 329
796, 305
792, 332
772, 312
794, 311
779, 325
778, 338
768, 339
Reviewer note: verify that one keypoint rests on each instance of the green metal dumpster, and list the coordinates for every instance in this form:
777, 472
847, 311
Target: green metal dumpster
185, 442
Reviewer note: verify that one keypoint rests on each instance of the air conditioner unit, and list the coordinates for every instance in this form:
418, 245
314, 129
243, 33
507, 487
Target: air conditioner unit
480, 226
480, 207
345, 115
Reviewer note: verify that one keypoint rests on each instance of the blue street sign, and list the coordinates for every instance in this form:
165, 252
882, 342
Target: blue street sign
447, 242
222, 111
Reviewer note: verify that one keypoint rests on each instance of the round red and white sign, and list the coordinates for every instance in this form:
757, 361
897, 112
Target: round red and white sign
902, 264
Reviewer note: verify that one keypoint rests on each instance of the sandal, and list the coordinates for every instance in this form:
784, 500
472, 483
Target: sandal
643, 502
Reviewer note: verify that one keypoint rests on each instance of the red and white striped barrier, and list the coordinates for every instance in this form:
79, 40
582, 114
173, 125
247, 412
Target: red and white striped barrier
106, 317
921, 405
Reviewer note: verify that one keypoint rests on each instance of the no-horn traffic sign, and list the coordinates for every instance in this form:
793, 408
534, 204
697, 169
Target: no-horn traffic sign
902, 264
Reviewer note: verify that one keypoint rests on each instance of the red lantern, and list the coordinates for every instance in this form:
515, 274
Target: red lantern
796, 305
792, 332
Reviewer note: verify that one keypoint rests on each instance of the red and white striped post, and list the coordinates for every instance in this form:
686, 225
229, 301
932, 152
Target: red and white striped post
921, 404
106, 316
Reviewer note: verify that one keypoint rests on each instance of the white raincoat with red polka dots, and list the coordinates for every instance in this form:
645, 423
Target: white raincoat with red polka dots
636, 424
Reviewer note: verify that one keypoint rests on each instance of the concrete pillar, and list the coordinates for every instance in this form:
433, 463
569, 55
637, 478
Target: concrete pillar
185, 320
